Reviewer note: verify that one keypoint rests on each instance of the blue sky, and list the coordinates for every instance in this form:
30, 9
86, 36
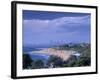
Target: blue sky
52, 28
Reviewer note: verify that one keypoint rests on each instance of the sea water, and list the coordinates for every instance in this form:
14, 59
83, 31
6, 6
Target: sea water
36, 56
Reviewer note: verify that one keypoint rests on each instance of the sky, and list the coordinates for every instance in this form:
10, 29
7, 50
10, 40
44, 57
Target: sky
55, 28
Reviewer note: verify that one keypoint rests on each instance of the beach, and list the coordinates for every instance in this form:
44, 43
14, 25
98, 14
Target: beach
63, 54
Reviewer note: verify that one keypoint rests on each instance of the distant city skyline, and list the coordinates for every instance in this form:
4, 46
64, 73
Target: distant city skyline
52, 28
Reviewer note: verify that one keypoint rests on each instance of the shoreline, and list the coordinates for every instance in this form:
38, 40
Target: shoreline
63, 54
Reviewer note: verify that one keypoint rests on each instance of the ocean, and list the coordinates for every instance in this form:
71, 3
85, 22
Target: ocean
35, 56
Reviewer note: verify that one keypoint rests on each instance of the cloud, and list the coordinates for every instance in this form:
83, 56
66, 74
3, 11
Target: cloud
57, 22
61, 28
55, 25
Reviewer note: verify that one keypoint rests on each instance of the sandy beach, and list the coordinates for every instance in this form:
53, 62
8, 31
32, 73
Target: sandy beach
63, 54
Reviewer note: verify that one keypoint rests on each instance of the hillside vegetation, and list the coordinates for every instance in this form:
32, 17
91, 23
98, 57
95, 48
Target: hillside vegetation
54, 62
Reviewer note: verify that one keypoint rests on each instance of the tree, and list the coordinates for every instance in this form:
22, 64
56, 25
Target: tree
84, 61
26, 61
37, 64
55, 61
